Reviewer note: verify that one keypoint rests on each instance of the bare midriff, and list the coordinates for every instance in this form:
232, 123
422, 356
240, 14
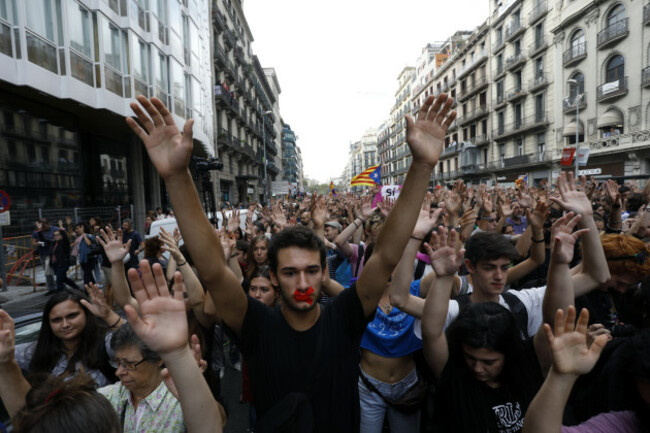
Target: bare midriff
388, 370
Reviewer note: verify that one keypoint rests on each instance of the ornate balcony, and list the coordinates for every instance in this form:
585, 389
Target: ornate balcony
613, 33
569, 104
611, 90
539, 10
538, 83
513, 29
515, 60
574, 54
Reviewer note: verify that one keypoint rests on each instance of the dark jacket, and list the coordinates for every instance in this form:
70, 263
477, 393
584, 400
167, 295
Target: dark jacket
61, 252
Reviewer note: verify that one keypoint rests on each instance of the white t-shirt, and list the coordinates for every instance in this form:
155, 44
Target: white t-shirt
531, 298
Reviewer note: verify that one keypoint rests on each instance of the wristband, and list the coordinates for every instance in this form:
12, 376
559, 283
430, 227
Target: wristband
115, 324
181, 264
417, 239
537, 241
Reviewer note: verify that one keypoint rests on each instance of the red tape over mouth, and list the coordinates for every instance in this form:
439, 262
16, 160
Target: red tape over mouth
305, 296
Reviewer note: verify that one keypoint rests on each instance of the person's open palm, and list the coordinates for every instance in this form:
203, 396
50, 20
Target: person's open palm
571, 355
168, 149
114, 249
162, 324
444, 256
570, 198
425, 135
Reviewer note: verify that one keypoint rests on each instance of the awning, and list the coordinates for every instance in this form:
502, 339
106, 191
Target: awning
610, 118
570, 129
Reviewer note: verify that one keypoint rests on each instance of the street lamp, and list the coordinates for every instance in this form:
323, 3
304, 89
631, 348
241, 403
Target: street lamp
266, 180
577, 99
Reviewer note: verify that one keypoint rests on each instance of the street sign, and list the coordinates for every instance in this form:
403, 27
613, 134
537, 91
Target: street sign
5, 218
5, 201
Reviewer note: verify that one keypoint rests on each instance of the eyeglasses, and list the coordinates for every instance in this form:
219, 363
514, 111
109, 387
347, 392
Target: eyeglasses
490, 220
128, 365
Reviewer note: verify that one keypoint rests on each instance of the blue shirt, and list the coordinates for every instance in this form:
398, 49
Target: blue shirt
391, 335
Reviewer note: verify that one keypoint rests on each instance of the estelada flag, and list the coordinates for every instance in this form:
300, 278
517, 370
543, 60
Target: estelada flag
332, 190
370, 176
567, 156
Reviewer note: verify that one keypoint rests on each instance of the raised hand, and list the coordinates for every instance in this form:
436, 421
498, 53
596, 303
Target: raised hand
366, 208
570, 198
233, 222
466, 222
319, 213
7, 338
427, 219
441, 249
538, 217
571, 355
452, 203
487, 202
168, 149
612, 192
228, 242
563, 238
278, 216
170, 243
162, 325
426, 135
111, 241
98, 307
504, 210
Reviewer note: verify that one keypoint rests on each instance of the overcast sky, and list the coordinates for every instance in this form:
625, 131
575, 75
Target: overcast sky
338, 61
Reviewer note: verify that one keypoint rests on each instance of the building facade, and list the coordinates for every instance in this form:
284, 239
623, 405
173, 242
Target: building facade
247, 109
68, 71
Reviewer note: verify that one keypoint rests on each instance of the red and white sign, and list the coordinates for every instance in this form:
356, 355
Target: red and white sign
5, 201
567, 156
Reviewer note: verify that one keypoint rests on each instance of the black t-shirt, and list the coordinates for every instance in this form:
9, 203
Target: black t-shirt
321, 362
508, 412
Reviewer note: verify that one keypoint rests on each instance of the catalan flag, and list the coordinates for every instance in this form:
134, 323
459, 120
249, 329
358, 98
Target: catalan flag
522, 181
332, 190
370, 176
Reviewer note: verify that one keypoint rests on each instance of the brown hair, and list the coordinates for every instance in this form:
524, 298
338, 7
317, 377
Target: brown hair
626, 255
152, 246
57, 405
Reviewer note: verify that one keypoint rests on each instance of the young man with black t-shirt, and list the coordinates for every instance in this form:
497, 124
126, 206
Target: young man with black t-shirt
302, 354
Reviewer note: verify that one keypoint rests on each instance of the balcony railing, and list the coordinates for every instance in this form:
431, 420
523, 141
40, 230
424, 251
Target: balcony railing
646, 76
480, 57
646, 14
479, 139
613, 33
500, 100
539, 10
569, 104
500, 43
219, 19
574, 54
515, 94
541, 43
611, 90
515, 60
520, 126
470, 87
220, 55
474, 114
228, 38
538, 82
513, 29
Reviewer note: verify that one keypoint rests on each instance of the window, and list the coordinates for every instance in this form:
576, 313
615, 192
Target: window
178, 88
517, 46
44, 34
615, 70
499, 91
539, 68
580, 88
141, 67
115, 46
578, 47
615, 15
541, 147
539, 35
518, 114
539, 107
160, 76
519, 142
501, 121
8, 10
518, 80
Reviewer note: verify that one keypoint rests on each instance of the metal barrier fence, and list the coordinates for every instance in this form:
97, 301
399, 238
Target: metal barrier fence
22, 220
16, 252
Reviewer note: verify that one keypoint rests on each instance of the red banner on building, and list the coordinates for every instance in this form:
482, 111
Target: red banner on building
567, 156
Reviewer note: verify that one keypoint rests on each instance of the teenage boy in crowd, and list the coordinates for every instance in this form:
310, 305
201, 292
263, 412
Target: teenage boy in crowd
301, 352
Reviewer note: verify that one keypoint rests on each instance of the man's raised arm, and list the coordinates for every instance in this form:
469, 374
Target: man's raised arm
425, 137
170, 152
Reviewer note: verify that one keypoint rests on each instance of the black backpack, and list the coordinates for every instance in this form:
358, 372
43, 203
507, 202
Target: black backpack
517, 308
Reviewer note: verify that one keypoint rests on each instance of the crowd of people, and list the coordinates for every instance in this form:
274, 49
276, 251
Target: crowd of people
464, 308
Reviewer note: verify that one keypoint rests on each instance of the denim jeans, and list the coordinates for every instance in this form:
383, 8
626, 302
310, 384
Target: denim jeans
374, 408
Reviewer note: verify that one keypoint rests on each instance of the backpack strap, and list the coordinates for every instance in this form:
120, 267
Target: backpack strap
518, 309
464, 285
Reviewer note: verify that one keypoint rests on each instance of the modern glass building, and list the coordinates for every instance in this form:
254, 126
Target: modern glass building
68, 71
